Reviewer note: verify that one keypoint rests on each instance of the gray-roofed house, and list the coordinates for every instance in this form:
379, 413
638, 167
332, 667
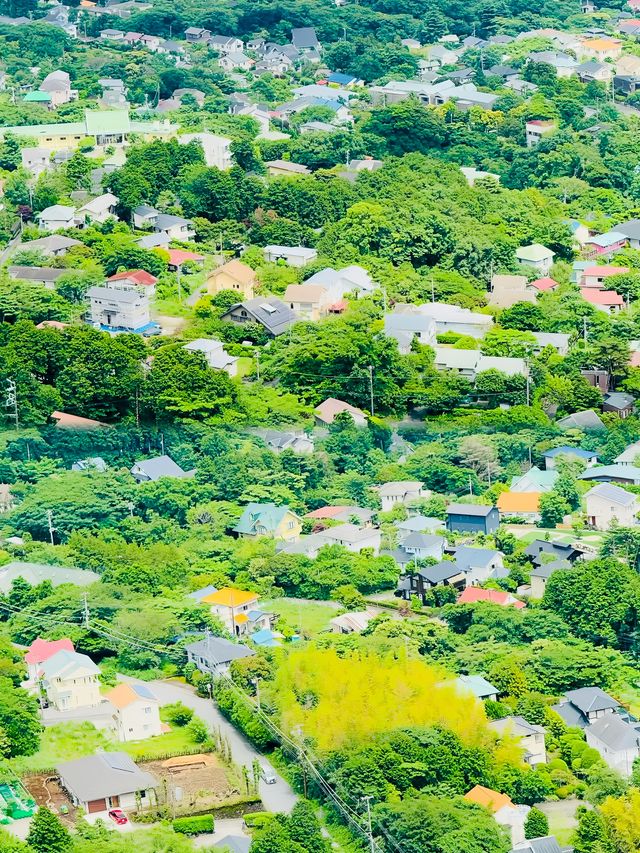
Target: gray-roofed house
279, 441
617, 742
530, 736
539, 576
46, 276
104, 781
420, 581
544, 844
405, 328
352, 537
558, 340
57, 216
54, 244
629, 455
215, 355
150, 470
479, 564
585, 705
144, 216
420, 524
215, 654
401, 492
628, 474
631, 230
608, 505
203, 592
236, 844
479, 686
36, 573
305, 39
536, 549
175, 227
472, 518
619, 403
587, 420
271, 313
420, 546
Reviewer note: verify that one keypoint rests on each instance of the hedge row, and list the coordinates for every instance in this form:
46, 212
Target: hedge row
194, 825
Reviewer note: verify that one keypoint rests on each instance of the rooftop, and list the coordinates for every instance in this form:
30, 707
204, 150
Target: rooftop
105, 774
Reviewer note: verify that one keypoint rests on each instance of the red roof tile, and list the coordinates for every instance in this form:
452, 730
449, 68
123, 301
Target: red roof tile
177, 257
138, 276
601, 297
41, 650
472, 594
544, 283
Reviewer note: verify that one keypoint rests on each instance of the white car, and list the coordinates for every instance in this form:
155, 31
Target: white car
268, 775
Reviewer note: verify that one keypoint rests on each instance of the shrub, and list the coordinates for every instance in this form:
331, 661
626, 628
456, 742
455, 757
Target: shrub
198, 731
194, 825
256, 820
178, 714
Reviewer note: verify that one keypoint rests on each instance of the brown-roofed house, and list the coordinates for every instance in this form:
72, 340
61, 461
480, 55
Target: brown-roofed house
492, 800
235, 276
309, 301
63, 420
327, 411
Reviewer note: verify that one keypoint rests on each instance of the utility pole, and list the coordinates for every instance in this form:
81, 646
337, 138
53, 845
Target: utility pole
528, 389
12, 402
256, 682
51, 527
85, 610
433, 293
371, 387
299, 734
372, 845
584, 330
258, 364
179, 273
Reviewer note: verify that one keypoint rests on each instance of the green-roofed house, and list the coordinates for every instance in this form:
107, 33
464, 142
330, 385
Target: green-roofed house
106, 127
276, 522
535, 480
537, 257
37, 97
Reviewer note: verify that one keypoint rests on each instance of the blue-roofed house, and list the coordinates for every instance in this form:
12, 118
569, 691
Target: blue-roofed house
629, 474
479, 686
589, 457
199, 594
343, 79
266, 638
605, 245
276, 522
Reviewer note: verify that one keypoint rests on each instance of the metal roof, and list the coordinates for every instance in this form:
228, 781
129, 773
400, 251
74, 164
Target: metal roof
106, 774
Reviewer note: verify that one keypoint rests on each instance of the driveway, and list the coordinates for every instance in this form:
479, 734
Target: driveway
278, 797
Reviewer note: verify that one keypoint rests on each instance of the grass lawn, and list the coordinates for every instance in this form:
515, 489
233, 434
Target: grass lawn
312, 617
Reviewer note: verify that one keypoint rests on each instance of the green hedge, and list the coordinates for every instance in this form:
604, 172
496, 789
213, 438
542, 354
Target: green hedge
256, 820
194, 825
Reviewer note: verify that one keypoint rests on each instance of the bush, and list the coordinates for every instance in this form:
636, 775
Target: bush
178, 714
198, 731
256, 820
194, 825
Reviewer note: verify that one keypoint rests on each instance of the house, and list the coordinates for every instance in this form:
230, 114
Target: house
539, 576
558, 340
536, 129
604, 245
197, 94
407, 328
471, 362
536, 256
69, 681
119, 310
216, 149
351, 623
37, 573
608, 505
596, 276
338, 283
605, 300
305, 39
226, 44
628, 474
538, 551
421, 546
234, 275
238, 610
592, 71
419, 524
106, 780
308, 301
272, 314
479, 564
479, 686
344, 80
285, 168
419, 581
215, 654
535, 480
342, 514
133, 279
279, 441
151, 470
472, 175
352, 537
472, 518
617, 742
473, 594
136, 712
197, 34
93, 463
40, 651
44, 276
629, 455
277, 522
401, 492
175, 227
601, 49
525, 505
582, 707
589, 457
621, 404
587, 420
215, 355
506, 813
529, 735
57, 216
563, 63
36, 160
144, 216
55, 245
179, 257
235, 60
99, 209
452, 318
326, 412
293, 256
58, 86
631, 230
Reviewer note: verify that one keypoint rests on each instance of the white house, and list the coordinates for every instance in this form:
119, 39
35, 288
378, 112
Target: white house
99, 209
423, 545
536, 256
215, 654
405, 328
215, 355
452, 318
293, 256
401, 492
478, 564
40, 651
70, 680
505, 812
607, 503
217, 149
536, 129
105, 781
352, 537
57, 216
617, 742
36, 160
530, 736
122, 310
136, 712
175, 227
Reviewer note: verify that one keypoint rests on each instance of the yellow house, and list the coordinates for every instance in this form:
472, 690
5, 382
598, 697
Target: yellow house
276, 522
234, 275
70, 681
237, 610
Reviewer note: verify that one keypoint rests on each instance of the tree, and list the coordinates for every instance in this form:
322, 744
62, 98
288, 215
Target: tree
19, 719
536, 825
553, 508
47, 834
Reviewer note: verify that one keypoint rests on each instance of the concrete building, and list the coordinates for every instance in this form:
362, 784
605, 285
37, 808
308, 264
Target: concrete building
536, 129
119, 310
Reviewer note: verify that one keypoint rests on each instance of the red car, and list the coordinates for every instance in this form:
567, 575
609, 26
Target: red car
118, 816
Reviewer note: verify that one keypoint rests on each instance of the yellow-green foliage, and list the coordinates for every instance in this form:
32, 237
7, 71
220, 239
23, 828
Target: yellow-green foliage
339, 698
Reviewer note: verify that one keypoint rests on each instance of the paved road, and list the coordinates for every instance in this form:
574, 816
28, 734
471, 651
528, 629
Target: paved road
279, 797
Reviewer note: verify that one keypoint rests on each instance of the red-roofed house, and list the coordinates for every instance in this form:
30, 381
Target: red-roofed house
473, 594
134, 279
41, 650
605, 300
596, 276
178, 257
542, 284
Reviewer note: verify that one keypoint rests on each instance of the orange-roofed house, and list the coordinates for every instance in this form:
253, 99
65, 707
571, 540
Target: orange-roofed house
543, 284
328, 410
597, 276
606, 300
520, 504
473, 594
237, 610
41, 650
504, 810
63, 420
136, 712
601, 49
235, 276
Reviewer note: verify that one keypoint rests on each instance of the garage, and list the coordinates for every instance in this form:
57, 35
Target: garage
94, 806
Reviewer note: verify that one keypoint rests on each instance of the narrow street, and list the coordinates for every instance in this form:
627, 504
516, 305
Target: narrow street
278, 797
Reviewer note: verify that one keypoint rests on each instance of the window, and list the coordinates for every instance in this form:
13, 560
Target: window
147, 710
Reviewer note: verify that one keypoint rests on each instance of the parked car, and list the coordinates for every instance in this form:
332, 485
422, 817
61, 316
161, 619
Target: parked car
118, 816
268, 775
